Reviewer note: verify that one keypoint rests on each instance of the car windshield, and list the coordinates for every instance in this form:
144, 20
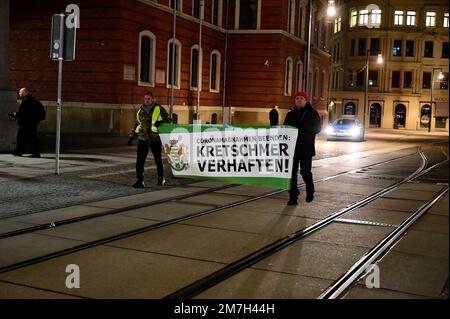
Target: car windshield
344, 122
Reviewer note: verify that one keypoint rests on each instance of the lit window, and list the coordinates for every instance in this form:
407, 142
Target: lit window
375, 17
353, 19
411, 18
288, 77
398, 18
446, 20
430, 19
337, 24
214, 82
363, 17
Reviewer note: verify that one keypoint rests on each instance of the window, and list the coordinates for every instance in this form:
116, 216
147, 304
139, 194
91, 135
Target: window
375, 44
440, 122
177, 3
407, 80
147, 42
316, 82
363, 17
373, 78
299, 76
443, 84
175, 118
350, 83
350, 108
444, 50
196, 67
173, 67
337, 24
398, 17
288, 77
301, 23
353, 18
217, 12
445, 25
428, 49
215, 71
322, 83
430, 19
395, 79
352, 47
397, 49
360, 78
375, 17
411, 18
214, 118
362, 47
248, 14
291, 16
196, 8
409, 50
425, 116
426, 81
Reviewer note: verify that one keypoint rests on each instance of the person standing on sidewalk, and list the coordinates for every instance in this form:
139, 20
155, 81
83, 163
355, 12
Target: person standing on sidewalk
149, 116
273, 116
307, 120
30, 113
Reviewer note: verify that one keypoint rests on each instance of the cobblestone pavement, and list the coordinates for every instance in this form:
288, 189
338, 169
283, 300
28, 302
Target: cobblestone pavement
90, 171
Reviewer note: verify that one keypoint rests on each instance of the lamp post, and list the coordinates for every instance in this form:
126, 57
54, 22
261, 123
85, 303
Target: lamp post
366, 85
440, 77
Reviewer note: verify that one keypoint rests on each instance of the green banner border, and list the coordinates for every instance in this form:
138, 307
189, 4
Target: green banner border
168, 128
274, 182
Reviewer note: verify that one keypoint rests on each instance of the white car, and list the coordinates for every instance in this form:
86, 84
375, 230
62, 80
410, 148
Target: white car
346, 129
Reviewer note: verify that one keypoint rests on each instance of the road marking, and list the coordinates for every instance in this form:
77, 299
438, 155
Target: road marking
114, 173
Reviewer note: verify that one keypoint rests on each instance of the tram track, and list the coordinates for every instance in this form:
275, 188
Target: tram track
245, 262
166, 223
133, 232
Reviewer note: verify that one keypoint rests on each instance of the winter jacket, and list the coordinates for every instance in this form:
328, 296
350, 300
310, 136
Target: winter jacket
307, 120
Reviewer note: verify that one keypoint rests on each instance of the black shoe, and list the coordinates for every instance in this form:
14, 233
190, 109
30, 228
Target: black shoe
161, 181
292, 202
309, 198
16, 154
139, 184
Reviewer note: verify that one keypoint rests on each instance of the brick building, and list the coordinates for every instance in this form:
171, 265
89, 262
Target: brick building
253, 55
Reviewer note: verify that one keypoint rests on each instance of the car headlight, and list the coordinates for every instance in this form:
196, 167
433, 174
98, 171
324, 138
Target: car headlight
329, 130
355, 131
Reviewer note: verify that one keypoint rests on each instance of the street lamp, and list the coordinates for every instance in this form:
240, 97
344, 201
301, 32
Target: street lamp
440, 77
331, 10
379, 61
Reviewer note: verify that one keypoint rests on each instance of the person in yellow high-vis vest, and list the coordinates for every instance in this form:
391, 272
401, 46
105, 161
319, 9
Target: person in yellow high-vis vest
149, 116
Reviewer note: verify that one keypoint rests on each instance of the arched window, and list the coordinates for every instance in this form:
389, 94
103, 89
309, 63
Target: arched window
349, 108
196, 68
400, 116
147, 46
214, 83
375, 115
176, 64
425, 116
288, 77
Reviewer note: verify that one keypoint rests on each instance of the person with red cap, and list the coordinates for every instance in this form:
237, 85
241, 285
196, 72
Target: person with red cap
304, 117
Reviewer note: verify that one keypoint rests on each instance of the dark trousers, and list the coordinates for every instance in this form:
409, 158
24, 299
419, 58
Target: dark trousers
305, 171
142, 152
27, 135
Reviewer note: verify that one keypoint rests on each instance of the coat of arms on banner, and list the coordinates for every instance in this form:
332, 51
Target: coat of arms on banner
177, 155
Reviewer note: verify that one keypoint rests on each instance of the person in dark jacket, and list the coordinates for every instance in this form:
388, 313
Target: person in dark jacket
30, 113
149, 116
273, 116
307, 120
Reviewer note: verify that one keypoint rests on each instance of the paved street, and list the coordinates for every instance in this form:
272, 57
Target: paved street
173, 236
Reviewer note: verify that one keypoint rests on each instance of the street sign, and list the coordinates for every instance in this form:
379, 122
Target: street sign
62, 43
56, 44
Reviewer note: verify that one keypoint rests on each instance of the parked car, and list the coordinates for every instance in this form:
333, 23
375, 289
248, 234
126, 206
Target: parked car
345, 128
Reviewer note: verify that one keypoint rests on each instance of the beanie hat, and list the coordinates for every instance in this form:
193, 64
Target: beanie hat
304, 94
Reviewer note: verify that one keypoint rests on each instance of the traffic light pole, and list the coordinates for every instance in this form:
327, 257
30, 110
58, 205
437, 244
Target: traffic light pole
58, 100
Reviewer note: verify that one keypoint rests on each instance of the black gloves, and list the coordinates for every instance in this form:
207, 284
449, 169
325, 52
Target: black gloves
130, 141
